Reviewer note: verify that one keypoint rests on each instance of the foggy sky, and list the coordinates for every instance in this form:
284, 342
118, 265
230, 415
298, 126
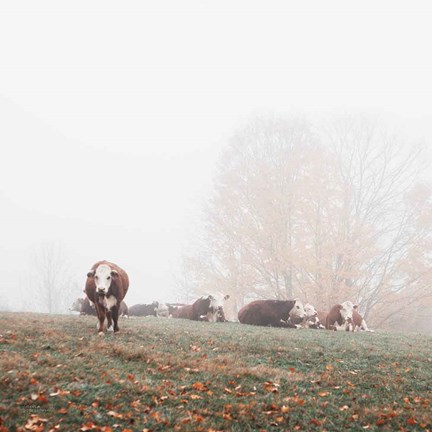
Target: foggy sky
112, 115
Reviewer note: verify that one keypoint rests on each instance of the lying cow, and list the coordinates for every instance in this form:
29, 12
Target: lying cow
274, 313
84, 306
106, 286
172, 308
144, 309
340, 317
311, 319
359, 322
162, 310
206, 308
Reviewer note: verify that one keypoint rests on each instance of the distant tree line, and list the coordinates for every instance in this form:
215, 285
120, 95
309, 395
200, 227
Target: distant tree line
325, 214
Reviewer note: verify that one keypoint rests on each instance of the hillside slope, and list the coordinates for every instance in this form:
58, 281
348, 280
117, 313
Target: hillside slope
57, 374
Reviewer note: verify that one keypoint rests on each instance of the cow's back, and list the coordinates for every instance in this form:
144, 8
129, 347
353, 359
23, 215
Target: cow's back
265, 312
183, 312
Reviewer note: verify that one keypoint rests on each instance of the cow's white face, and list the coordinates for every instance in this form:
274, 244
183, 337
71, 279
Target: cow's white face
103, 276
310, 311
346, 311
297, 311
217, 301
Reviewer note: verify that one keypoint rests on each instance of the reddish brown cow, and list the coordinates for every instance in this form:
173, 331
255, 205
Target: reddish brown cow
206, 308
106, 286
275, 313
340, 317
359, 322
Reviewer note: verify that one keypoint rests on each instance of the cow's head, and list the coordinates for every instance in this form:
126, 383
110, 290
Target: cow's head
297, 311
310, 310
346, 310
217, 301
76, 305
102, 276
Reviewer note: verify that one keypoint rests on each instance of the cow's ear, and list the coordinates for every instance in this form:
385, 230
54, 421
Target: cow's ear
114, 273
91, 273
355, 306
210, 297
339, 306
226, 297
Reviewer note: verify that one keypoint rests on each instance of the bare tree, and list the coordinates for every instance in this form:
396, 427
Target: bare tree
56, 288
325, 215
252, 218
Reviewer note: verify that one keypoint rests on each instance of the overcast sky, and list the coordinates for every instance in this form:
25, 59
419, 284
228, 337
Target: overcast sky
113, 114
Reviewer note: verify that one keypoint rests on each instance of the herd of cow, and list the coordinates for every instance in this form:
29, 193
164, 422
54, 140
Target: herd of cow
107, 285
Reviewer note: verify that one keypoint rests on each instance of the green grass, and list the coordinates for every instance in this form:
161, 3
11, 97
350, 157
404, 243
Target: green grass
167, 374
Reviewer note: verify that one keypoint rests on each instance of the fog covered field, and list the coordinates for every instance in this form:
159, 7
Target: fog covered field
169, 374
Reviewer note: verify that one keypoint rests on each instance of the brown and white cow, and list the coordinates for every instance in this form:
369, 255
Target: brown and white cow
274, 313
311, 319
206, 308
340, 317
106, 286
359, 322
84, 306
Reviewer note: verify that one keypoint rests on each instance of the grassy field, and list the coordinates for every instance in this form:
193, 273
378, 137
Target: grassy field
56, 374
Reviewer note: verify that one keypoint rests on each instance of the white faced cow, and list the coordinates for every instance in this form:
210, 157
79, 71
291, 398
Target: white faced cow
106, 286
274, 313
340, 317
207, 308
311, 319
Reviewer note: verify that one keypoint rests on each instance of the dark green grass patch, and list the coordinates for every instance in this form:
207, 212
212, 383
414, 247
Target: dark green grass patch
166, 374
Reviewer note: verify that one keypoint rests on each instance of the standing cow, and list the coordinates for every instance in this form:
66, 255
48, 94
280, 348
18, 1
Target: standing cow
274, 313
207, 308
106, 286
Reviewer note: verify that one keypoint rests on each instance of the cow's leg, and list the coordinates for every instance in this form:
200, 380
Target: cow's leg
364, 326
109, 319
114, 313
291, 323
286, 323
101, 318
100, 313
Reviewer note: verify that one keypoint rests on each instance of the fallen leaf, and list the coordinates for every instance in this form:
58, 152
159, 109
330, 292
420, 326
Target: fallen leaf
411, 421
